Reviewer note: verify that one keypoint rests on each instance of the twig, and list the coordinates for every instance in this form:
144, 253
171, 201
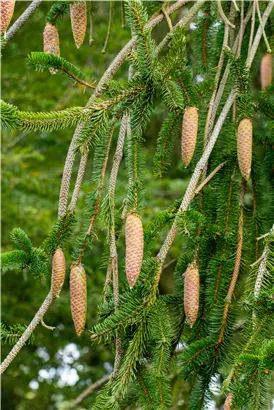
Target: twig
263, 236
22, 19
167, 265
252, 28
169, 23
113, 250
262, 25
263, 266
237, 265
257, 261
28, 332
46, 326
79, 180
98, 200
89, 390
222, 14
79, 80
241, 33
258, 36
109, 26
91, 39
183, 22
209, 177
235, 5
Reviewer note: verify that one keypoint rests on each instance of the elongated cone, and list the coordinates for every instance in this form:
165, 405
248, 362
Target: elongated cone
266, 70
191, 293
7, 9
51, 42
244, 147
58, 272
78, 297
189, 133
78, 17
228, 401
134, 247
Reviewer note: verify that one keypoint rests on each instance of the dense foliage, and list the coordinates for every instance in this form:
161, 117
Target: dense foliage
195, 328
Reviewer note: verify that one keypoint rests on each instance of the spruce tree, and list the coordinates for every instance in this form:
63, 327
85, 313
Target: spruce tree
217, 325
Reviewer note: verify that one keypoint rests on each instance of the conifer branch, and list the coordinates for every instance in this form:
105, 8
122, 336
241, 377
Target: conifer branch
113, 250
259, 33
209, 177
111, 6
236, 265
89, 390
98, 198
109, 73
252, 28
79, 180
28, 332
262, 25
22, 19
182, 23
222, 14
262, 267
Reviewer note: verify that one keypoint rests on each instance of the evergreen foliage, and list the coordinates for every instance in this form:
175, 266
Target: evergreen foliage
216, 224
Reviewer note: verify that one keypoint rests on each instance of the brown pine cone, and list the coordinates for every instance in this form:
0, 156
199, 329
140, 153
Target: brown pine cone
191, 293
58, 272
244, 147
134, 247
51, 42
78, 17
266, 70
78, 297
229, 401
189, 133
7, 9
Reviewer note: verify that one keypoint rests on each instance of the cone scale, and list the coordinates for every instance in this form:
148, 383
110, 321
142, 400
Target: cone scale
266, 70
189, 133
134, 247
228, 402
58, 272
51, 42
78, 297
7, 9
78, 17
244, 147
191, 293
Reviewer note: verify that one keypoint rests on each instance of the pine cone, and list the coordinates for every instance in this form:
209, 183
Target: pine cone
78, 297
78, 17
51, 42
191, 293
58, 272
244, 147
189, 133
228, 401
266, 70
134, 247
7, 9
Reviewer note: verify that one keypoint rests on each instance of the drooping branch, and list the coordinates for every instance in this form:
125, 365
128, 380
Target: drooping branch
28, 332
109, 73
22, 19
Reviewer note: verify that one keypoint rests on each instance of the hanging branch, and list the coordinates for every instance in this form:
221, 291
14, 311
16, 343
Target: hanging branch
263, 266
28, 332
79, 180
22, 19
109, 73
111, 6
113, 250
237, 265
89, 390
